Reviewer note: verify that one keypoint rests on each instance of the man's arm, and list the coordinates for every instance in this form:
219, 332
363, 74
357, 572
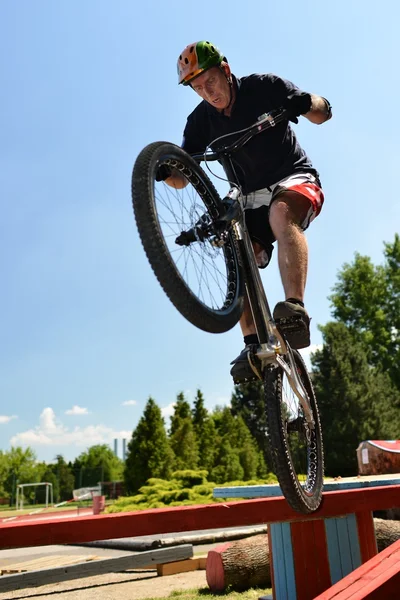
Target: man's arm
321, 110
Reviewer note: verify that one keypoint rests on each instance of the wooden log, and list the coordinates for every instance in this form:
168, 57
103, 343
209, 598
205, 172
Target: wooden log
386, 532
240, 565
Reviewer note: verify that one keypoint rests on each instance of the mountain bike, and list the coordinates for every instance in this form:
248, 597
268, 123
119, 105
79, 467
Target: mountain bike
201, 253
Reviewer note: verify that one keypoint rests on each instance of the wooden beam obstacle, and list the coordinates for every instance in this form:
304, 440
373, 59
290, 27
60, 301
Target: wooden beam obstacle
310, 554
16, 534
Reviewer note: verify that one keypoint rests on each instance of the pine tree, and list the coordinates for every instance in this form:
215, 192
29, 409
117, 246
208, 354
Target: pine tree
183, 437
205, 433
181, 411
148, 453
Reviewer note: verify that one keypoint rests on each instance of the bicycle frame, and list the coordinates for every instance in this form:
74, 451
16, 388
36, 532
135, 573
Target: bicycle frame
272, 345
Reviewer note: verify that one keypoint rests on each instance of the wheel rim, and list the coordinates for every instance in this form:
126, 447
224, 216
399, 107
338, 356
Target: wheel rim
208, 271
301, 439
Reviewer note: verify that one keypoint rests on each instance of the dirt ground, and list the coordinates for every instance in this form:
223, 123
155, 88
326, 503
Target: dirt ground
129, 585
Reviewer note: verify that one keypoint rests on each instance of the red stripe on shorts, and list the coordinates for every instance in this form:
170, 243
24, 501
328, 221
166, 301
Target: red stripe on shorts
311, 191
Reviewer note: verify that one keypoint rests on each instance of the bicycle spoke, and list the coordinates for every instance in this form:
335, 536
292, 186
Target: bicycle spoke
201, 265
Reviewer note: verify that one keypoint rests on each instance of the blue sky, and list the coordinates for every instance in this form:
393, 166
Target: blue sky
87, 334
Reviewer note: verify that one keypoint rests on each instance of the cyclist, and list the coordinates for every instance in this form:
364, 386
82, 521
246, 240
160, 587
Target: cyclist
282, 188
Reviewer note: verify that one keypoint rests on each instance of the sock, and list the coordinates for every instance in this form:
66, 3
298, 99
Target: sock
251, 339
295, 301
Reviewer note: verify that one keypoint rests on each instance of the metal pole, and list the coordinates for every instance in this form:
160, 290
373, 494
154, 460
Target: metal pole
47, 495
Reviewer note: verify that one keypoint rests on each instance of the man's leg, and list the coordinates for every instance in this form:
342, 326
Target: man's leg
287, 212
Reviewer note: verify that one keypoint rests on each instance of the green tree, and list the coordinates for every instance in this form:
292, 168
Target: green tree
228, 467
205, 433
248, 401
356, 401
3, 474
237, 455
366, 298
65, 478
181, 411
183, 437
22, 468
148, 453
99, 463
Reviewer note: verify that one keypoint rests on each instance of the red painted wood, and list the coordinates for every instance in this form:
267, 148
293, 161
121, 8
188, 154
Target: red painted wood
366, 534
190, 518
311, 563
215, 574
377, 579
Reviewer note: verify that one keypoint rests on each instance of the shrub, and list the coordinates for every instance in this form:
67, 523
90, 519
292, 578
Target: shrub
190, 478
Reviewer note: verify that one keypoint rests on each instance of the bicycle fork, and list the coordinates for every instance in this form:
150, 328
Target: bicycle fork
272, 345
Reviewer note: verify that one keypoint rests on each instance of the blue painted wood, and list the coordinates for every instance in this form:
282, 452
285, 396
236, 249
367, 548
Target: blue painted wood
332, 541
267, 491
283, 564
354, 541
343, 546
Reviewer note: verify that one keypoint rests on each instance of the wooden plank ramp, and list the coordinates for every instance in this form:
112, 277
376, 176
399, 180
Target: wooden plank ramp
377, 579
45, 562
89, 568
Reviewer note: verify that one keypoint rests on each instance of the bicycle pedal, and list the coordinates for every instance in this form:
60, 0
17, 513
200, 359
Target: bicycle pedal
295, 330
294, 322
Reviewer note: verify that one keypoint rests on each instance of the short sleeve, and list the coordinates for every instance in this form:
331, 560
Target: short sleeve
194, 138
281, 88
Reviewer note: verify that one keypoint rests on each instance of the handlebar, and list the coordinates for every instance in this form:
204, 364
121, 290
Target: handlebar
264, 121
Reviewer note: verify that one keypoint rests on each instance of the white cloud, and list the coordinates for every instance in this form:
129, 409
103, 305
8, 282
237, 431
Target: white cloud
7, 419
77, 410
51, 432
129, 403
168, 411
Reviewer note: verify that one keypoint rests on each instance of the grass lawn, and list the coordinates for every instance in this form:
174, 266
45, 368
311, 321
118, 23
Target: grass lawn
204, 594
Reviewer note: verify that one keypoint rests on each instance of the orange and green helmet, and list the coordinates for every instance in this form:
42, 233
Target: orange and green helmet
197, 58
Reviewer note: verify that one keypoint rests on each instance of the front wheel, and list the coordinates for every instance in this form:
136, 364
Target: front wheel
199, 271
296, 447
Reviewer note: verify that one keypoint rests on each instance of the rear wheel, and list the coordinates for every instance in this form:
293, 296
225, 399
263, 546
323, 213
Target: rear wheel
296, 447
197, 267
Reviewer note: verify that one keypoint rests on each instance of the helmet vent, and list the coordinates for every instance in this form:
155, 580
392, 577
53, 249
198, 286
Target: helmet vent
186, 61
191, 49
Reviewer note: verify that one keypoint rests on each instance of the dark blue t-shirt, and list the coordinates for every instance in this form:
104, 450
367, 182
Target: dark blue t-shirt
269, 156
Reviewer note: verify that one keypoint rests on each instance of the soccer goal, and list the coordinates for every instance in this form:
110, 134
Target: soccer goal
19, 505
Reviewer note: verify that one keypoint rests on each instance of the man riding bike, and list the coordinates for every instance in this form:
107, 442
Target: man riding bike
282, 188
